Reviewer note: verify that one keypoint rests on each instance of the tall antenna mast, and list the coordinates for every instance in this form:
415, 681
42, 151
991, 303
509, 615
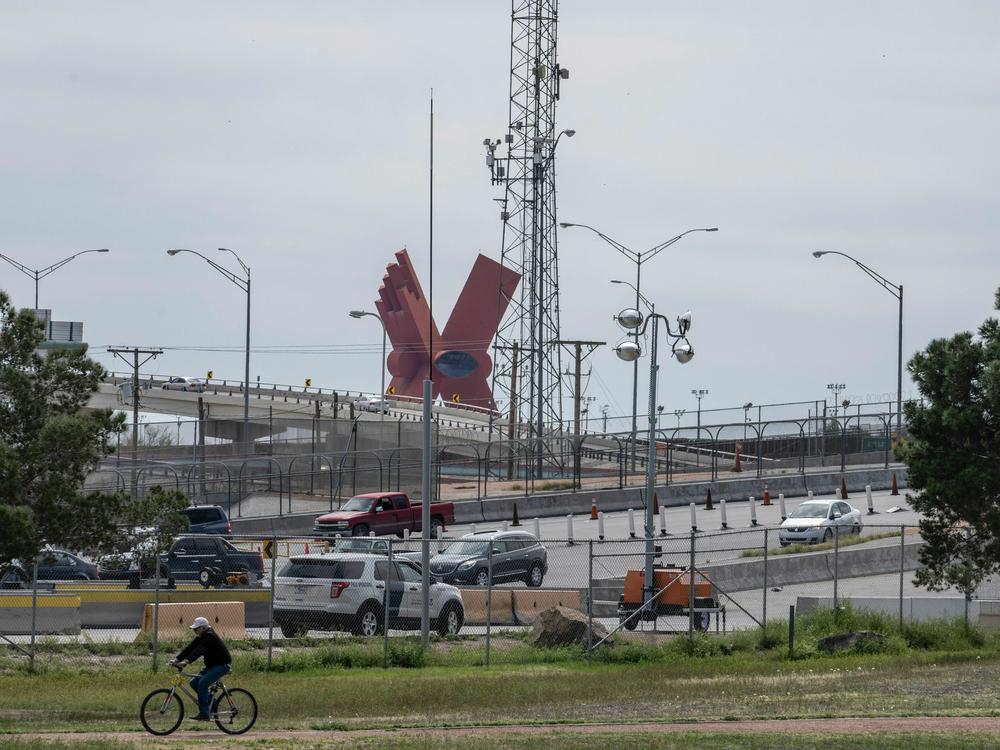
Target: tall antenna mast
528, 213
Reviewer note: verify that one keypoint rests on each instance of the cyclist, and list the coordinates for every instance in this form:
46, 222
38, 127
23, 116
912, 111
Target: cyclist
218, 663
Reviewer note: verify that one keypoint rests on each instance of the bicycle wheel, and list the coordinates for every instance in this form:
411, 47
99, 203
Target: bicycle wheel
162, 712
235, 711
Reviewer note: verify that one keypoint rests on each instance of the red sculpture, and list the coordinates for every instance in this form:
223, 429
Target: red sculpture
461, 363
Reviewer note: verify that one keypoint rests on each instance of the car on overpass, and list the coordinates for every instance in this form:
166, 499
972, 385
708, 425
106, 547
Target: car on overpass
371, 402
348, 591
196, 385
816, 521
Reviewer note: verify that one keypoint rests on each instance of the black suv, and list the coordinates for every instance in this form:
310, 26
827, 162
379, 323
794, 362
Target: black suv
208, 519
516, 556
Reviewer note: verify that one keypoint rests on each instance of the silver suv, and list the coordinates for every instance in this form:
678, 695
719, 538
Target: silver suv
516, 556
343, 591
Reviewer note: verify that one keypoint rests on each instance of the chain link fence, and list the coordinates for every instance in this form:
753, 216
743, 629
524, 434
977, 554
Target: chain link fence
363, 597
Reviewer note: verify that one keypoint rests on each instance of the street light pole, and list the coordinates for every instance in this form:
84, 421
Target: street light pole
896, 290
244, 285
41, 273
638, 258
358, 314
630, 351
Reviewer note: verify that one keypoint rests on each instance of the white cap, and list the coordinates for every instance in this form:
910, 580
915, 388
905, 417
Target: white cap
199, 622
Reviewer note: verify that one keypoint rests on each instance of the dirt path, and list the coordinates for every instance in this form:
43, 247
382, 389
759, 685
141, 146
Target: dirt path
888, 725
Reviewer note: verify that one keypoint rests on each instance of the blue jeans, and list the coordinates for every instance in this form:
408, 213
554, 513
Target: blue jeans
203, 681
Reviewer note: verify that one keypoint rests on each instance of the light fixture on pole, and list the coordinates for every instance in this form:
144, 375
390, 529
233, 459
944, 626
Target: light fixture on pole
358, 314
679, 413
835, 389
629, 351
896, 290
638, 258
40, 273
244, 284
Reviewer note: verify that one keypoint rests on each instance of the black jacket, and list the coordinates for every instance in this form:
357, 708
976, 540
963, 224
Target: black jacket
209, 645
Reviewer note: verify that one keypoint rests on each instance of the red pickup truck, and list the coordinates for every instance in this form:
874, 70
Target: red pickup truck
381, 512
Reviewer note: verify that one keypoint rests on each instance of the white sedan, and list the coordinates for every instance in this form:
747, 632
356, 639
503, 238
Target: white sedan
817, 521
185, 384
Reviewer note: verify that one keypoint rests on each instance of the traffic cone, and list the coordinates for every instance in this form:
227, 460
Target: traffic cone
843, 489
767, 496
515, 522
737, 467
708, 500
656, 504
593, 509
895, 488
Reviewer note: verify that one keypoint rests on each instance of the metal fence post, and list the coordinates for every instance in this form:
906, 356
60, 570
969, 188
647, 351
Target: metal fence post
791, 629
590, 599
763, 619
270, 603
34, 613
385, 611
690, 593
902, 565
836, 562
156, 603
489, 599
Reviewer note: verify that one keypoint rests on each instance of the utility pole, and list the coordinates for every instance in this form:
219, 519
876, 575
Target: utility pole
578, 357
135, 363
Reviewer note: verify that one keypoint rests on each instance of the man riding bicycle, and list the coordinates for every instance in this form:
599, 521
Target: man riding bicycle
218, 663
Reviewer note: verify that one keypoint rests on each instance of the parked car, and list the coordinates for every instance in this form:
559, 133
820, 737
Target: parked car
208, 559
382, 512
208, 519
135, 564
516, 556
196, 385
816, 521
53, 565
347, 591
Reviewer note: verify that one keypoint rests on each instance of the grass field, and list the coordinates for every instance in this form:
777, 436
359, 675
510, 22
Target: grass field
930, 670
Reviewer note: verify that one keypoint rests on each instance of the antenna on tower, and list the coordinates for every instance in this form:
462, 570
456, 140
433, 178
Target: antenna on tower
526, 172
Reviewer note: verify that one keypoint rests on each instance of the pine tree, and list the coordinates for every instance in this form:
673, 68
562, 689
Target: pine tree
954, 457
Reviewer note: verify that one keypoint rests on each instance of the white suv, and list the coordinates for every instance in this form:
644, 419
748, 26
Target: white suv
343, 591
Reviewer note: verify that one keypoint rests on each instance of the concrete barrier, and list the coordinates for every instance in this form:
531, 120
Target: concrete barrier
501, 607
986, 613
529, 603
496, 509
228, 619
810, 567
56, 614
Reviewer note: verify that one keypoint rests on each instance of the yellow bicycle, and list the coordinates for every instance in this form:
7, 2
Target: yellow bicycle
233, 709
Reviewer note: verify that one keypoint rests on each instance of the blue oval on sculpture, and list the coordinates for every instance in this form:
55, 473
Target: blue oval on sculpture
455, 363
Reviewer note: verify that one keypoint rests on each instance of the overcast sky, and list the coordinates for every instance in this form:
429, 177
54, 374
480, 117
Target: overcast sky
296, 133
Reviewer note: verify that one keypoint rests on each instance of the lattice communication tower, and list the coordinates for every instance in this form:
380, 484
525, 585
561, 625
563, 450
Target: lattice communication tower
524, 350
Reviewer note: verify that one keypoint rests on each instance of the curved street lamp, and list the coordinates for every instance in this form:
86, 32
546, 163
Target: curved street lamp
41, 273
896, 290
357, 315
638, 258
244, 285
629, 351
